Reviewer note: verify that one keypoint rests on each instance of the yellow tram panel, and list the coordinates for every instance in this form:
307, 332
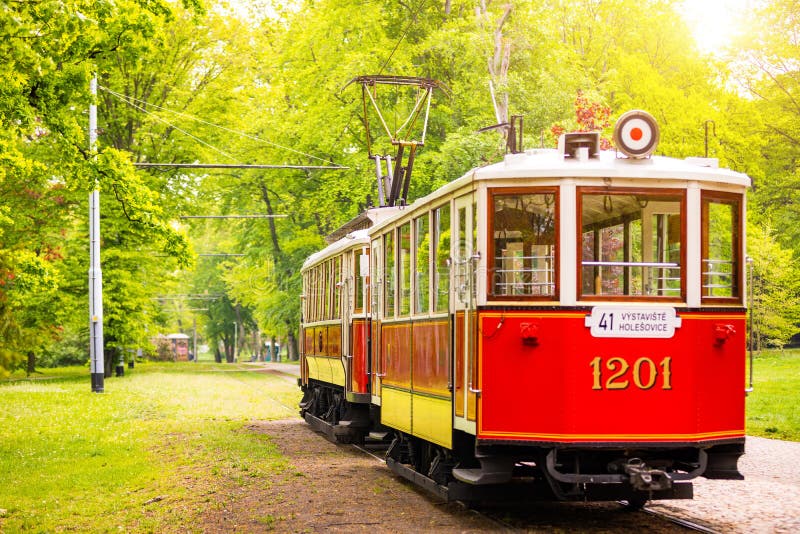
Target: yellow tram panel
432, 419
396, 408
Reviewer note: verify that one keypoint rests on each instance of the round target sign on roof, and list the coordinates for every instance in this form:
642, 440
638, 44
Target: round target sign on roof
636, 134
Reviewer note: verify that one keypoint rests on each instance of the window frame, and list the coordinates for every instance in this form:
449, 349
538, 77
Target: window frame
414, 263
723, 197
389, 272
337, 288
317, 293
403, 269
490, 246
360, 284
435, 274
628, 191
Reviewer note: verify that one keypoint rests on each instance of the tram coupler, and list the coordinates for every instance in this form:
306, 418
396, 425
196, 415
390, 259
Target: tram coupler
644, 478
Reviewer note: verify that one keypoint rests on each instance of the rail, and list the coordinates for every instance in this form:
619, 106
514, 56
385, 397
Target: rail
658, 265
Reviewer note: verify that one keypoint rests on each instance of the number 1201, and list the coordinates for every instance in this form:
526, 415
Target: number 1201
644, 373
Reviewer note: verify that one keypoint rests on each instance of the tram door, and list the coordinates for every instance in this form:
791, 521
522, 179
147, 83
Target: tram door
463, 269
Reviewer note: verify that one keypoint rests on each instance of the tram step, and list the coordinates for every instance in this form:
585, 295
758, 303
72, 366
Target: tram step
378, 436
492, 471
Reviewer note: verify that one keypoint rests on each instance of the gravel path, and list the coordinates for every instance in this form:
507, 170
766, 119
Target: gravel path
768, 500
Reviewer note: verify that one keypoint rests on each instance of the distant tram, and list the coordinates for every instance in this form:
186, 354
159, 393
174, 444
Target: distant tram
566, 323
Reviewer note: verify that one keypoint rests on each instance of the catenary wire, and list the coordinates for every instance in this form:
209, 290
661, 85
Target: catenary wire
168, 123
129, 100
403, 36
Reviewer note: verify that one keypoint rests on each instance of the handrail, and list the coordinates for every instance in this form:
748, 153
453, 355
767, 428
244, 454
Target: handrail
659, 265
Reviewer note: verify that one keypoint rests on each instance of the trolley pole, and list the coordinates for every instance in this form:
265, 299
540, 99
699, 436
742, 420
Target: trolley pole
95, 274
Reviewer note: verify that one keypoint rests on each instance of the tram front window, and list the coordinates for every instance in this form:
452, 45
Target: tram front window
720, 245
523, 244
631, 244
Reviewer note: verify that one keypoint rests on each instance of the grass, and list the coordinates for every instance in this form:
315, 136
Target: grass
773, 408
151, 453
147, 455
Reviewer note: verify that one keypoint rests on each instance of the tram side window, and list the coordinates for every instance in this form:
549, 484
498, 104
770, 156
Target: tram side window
325, 287
338, 292
304, 301
720, 245
631, 244
376, 278
311, 295
441, 250
389, 274
422, 243
360, 281
320, 286
404, 269
523, 244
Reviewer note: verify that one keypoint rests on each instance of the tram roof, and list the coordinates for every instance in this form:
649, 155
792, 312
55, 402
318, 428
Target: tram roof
357, 237
551, 164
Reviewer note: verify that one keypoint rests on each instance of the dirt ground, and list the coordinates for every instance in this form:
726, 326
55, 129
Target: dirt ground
336, 488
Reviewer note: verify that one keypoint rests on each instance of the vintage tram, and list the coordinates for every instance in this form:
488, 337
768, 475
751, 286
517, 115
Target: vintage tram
568, 323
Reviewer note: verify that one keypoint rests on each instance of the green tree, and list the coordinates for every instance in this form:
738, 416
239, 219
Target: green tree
776, 281
48, 54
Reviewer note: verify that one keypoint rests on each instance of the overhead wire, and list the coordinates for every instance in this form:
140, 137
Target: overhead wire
403, 36
131, 100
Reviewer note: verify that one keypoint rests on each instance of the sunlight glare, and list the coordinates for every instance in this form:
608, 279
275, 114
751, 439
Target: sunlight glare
714, 23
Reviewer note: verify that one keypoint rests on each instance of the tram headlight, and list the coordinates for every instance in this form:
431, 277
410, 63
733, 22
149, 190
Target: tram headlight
636, 134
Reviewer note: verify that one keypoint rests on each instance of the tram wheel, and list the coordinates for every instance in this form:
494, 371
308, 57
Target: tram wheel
635, 503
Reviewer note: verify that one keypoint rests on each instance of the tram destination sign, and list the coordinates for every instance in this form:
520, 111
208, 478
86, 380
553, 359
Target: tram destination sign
633, 321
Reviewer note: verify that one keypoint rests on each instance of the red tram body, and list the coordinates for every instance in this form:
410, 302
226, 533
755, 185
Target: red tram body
569, 323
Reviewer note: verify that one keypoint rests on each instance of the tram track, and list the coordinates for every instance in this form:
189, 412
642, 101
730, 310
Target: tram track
500, 522
675, 520
497, 521
686, 523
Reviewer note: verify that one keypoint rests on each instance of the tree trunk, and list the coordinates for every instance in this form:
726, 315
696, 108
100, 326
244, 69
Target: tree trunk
273, 231
498, 63
292, 354
31, 367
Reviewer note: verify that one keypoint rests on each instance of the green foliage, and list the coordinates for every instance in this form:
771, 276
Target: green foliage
170, 71
772, 407
68, 454
48, 55
776, 280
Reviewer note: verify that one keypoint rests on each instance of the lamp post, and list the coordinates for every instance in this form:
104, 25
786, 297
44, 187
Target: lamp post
95, 274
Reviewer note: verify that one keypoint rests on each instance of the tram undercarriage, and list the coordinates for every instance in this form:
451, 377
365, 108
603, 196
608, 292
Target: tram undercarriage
552, 474
514, 473
327, 411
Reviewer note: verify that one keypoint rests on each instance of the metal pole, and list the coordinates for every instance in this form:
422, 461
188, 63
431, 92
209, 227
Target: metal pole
235, 330
95, 274
379, 176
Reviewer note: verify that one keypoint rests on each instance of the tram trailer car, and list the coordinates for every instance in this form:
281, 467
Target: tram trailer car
566, 324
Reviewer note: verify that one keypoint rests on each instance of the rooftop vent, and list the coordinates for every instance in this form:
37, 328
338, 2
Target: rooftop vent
579, 145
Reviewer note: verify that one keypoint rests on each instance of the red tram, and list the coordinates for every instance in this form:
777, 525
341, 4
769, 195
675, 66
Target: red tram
569, 323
